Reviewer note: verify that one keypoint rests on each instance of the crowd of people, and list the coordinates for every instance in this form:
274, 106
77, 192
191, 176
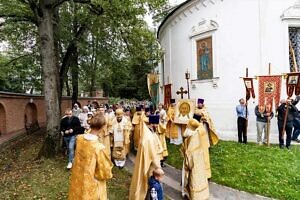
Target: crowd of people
105, 134
288, 122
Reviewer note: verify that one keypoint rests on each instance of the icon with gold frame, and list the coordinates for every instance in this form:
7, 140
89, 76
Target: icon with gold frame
184, 110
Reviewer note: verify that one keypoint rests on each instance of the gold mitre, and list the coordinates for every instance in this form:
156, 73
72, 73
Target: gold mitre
193, 124
119, 112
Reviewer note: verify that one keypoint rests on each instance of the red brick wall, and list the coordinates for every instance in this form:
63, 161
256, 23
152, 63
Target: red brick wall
13, 108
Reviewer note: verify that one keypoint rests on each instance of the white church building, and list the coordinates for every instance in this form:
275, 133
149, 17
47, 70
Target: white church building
215, 41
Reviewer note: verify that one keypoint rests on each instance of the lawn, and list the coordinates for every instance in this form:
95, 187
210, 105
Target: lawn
268, 171
25, 177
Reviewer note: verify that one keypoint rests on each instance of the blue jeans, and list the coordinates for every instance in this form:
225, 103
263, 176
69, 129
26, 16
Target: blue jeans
70, 143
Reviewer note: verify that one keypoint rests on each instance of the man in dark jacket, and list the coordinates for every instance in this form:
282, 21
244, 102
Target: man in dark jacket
281, 110
70, 127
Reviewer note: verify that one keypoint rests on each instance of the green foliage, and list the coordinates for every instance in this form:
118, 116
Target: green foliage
271, 172
116, 49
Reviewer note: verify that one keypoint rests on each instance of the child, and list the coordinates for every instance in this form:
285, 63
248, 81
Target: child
155, 187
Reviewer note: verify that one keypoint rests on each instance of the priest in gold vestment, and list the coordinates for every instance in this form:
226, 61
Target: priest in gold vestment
173, 131
194, 180
208, 123
137, 121
161, 129
92, 166
120, 131
147, 159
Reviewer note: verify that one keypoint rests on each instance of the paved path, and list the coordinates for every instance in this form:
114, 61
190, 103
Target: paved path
172, 186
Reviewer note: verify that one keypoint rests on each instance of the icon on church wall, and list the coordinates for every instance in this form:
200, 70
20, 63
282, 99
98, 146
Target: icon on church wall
293, 80
269, 87
204, 59
184, 110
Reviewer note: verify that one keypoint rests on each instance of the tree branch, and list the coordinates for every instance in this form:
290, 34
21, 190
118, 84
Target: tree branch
20, 57
18, 18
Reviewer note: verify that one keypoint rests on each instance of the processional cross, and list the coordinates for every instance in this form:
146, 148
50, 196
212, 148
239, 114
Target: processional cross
181, 91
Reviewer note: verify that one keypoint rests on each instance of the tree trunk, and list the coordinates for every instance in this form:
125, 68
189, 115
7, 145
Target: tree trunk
51, 78
75, 71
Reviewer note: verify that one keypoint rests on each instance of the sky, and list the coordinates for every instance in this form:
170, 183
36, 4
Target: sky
148, 19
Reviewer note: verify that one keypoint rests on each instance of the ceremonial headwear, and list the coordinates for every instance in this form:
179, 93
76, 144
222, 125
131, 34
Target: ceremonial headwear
197, 117
154, 119
200, 101
172, 101
138, 108
119, 112
147, 109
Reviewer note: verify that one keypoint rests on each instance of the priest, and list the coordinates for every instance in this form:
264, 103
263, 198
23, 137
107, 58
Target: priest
173, 131
148, 158
208, 123
120, 131
194, 180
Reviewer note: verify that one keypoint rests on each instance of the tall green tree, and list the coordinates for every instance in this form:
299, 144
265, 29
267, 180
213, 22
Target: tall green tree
108, 37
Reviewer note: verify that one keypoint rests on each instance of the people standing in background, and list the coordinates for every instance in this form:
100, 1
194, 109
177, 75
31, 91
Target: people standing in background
263, 116
76, 110
242, 121
286, 105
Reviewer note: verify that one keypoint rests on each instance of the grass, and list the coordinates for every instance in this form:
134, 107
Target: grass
24, 177
270, 172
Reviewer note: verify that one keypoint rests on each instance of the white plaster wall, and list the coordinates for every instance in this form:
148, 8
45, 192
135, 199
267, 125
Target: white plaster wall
250, 34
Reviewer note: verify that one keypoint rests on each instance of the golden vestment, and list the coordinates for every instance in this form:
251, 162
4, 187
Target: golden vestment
91, 168
161, 131
137, 122
120, 134
147, 159
194, 180
205, 117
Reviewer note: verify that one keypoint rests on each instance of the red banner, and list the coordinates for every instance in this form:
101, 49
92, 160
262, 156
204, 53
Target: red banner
249, 88
168, 94
269, 89
293, 84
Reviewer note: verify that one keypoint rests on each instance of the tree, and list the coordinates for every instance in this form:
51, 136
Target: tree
113, 31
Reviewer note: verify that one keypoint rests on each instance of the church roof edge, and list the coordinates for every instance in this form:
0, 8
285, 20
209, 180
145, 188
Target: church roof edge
170, 14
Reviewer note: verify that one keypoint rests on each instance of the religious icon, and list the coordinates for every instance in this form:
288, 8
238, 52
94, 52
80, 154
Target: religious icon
293, 80
204, 58
269, 87
248, 84
184, 110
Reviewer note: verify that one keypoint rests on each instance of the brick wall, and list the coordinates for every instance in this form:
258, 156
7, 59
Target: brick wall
21, 111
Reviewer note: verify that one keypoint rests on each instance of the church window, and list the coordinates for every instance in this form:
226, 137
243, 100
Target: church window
294, 48
204, 59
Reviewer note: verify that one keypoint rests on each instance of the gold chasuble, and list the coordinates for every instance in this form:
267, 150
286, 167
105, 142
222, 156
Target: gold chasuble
121, 139
194, 180
137, 121
162, 129
147, 159
205, 117
91, 168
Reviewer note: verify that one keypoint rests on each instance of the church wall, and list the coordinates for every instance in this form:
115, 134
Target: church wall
250, 33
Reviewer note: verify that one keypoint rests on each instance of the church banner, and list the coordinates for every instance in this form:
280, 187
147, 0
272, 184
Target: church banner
151, 79
249, 88
269, 90
155, 93
168, 94
293, 84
